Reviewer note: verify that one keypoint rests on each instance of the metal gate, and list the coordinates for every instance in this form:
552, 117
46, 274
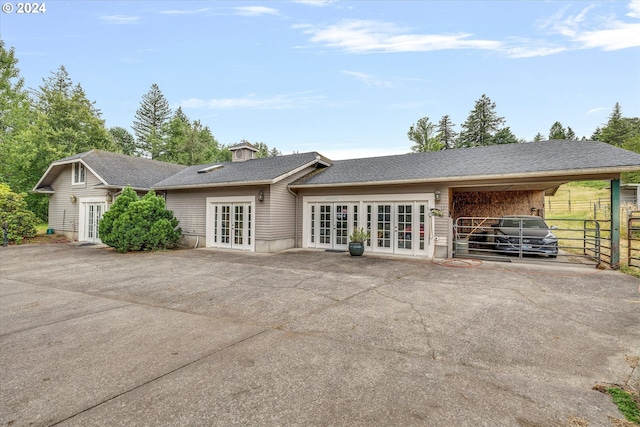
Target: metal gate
565, 240
633, 240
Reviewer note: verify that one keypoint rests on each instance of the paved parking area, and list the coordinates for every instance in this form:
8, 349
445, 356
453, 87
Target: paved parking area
90, 337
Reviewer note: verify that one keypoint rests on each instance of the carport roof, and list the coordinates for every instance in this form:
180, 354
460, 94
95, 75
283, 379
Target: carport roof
525, 160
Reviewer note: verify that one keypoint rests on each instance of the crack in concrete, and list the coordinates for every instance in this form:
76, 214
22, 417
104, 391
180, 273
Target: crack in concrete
219, 350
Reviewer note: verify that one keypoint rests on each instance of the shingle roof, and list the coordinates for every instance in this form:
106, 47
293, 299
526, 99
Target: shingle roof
115, 169
467, 163
238, 173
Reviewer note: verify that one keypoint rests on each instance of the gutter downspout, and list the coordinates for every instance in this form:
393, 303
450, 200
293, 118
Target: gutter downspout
295, 233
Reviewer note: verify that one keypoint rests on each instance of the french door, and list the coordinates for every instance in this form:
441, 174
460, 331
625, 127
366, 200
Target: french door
91, 214
397, 224
231, 225
398, 228
330, 224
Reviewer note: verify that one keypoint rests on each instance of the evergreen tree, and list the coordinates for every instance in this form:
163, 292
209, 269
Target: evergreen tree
446, 135
264, 150
423, 134
618, 129
504, 136
153, 114
189, 143
481, 125
571, 135
539, 137
123, 140
557, 131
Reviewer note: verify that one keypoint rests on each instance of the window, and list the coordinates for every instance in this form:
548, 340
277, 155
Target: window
78, 173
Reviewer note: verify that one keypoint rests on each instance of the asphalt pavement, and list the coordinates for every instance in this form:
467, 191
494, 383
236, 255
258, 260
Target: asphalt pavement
91, 337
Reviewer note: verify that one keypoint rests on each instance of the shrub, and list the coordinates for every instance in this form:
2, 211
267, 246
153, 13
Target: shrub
21, 223
134, 224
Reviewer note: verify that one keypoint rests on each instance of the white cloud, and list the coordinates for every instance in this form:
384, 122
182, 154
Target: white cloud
120, 19
316, 3
597, 32
368, 79
634, 9
361, 36
255, 10
594, 110
277, 102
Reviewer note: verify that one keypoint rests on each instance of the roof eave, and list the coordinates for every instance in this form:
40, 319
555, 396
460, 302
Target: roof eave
609, 171
213, 184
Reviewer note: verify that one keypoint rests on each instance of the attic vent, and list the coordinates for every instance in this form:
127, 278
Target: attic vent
210, 168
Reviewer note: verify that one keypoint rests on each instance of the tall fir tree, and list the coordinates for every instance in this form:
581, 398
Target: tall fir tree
618, 129
481, 125
446, 135
557, 131
153, 114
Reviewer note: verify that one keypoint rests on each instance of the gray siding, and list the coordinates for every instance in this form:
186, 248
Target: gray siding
189, 207
273, 218
282, 222
63, 215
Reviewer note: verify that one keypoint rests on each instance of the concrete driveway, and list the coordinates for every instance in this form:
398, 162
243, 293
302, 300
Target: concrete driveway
90, 337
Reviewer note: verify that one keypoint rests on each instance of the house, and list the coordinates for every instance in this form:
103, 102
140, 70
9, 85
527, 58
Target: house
407, 202
81, 188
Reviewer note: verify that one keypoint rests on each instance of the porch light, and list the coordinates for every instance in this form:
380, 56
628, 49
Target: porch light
73, 198
109, 197
437, 194
260, 196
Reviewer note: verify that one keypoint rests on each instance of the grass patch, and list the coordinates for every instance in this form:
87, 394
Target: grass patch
626, 403
598, 185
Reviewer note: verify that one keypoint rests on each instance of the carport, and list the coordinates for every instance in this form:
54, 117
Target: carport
477, 208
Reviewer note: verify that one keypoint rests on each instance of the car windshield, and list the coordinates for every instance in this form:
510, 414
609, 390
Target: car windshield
526, 223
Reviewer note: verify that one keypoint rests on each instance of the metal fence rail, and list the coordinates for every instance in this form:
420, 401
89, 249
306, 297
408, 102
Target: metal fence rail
570, 240
633, 240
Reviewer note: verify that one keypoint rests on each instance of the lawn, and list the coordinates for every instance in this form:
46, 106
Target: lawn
585, 205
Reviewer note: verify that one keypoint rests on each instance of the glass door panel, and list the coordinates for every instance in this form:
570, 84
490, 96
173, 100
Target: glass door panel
383, 228
225, 225
341, 226
404, 228
238, 225
324, 226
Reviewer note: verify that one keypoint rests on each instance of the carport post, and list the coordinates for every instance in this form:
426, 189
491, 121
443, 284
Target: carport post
615, 223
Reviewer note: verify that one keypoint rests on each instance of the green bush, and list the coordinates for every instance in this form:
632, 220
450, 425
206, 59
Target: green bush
133, 224
21, 223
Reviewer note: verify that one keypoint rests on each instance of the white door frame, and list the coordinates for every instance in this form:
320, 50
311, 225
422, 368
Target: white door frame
247, 234
83, 212
416, 200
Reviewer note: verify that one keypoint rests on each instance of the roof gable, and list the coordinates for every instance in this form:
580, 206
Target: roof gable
113, 169
265, 170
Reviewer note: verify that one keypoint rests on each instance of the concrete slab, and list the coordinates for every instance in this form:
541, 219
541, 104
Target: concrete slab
200, 337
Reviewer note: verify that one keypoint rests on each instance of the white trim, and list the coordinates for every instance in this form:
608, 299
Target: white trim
75, 165
210, 228
82, 213
362, 200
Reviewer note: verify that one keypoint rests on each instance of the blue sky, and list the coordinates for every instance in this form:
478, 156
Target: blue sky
345, 78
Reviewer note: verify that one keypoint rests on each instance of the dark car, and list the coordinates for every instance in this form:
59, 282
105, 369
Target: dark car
525, 234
